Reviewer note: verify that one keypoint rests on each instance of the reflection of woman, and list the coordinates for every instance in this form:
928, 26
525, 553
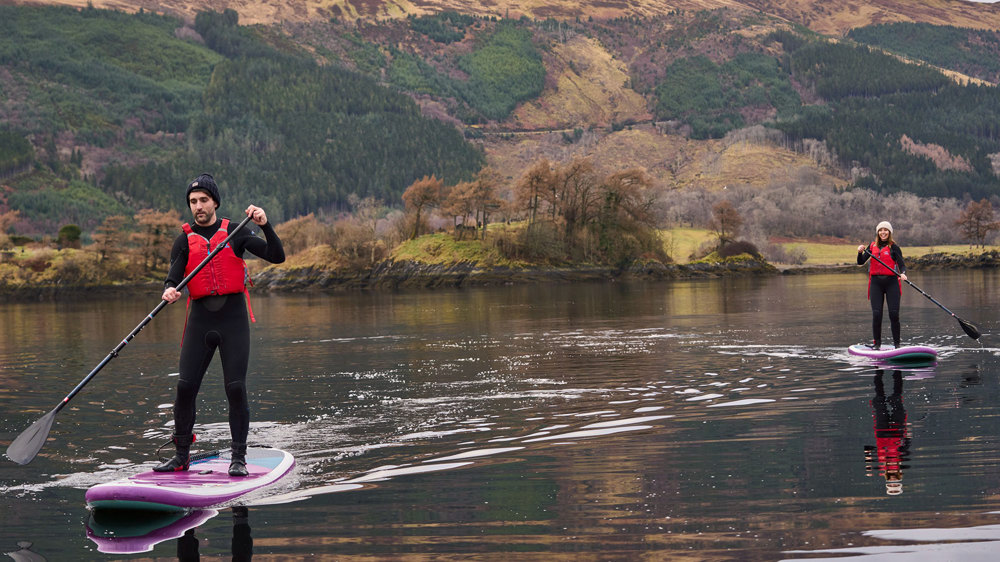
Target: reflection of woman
892, 440
883, 283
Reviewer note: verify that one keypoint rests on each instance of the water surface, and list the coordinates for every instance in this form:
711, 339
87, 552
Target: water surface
709, 419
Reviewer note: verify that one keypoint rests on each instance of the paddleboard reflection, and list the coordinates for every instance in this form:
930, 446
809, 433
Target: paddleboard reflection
123, 531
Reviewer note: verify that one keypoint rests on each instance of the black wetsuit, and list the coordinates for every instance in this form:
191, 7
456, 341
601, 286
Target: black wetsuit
885, 289
218, 322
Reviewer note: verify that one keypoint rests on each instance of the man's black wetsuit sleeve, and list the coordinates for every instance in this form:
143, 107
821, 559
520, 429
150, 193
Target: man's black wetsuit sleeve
268, 249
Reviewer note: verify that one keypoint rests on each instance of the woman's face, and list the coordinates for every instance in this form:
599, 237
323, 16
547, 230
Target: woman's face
883, 234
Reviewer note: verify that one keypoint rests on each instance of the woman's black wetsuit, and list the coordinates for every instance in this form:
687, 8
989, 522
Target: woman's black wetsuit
885, 289
221, 322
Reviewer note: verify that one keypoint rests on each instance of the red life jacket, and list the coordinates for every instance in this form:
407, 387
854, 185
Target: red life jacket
876, 268
225, 274
884, 254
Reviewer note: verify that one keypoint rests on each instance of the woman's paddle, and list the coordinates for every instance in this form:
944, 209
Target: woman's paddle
969, 329
31, 440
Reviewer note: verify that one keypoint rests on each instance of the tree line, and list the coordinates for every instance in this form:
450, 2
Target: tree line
974, 52
566, 213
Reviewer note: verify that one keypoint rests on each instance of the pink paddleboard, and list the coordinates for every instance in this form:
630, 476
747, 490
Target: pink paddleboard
206, 484
905, 354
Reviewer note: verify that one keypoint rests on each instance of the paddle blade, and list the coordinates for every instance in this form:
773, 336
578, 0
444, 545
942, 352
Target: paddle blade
969, 329
31, 440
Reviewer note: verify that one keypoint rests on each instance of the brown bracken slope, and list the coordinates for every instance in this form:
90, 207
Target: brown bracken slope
832, 17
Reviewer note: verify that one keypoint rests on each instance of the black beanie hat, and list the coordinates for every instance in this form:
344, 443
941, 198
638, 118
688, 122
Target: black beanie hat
206, 183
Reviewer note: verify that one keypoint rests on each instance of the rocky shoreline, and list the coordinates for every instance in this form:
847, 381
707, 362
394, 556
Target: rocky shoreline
407, 275
402, 275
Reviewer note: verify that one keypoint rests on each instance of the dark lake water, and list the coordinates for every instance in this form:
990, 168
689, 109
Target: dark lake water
694, 420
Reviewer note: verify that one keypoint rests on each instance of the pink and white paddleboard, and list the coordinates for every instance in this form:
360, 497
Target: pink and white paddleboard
905, 354
206, 483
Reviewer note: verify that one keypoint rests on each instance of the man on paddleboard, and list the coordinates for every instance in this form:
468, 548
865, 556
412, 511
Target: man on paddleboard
885, 285
217, 317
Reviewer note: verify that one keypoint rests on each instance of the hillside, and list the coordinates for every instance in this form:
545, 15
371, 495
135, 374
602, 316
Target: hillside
673, 161
586, 87
318, 101
830, 17
836, 18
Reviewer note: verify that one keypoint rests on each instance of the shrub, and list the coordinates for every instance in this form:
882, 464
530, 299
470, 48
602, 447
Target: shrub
777, 253
302, 233
706, 248
736, 248
38, 263
76, 269
507, 243
542, 242
69, 236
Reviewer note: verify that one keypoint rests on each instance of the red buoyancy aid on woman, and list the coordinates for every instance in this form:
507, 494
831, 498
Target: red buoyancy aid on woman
876, 268
884, 254
225, 274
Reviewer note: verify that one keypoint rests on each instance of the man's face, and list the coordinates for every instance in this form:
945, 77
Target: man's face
202, 207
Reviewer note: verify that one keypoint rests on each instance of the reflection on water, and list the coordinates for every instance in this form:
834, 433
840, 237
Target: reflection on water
718, 419
130, 531
892, 437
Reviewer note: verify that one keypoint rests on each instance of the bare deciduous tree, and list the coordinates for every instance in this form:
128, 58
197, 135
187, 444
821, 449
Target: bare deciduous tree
578, 185
485, 197
111, 237
726, 221
977, 222
421, 195
368, 211
301, 233
459, 204
157, 230
529, 190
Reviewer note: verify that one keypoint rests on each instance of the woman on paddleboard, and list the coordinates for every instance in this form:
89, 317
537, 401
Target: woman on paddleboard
217, 316
885, 280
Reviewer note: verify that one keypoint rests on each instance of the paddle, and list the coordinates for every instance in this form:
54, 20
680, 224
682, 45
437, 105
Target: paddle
969, 329
23, 449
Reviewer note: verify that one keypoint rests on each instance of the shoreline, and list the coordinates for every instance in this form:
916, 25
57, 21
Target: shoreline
406, 275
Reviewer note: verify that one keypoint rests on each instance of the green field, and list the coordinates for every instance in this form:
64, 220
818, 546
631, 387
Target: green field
681, 242
839, 254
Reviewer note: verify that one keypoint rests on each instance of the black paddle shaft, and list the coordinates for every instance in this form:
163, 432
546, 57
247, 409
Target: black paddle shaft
24, 448
969, 329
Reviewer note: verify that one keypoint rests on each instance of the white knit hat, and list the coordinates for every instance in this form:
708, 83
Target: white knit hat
883, 224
